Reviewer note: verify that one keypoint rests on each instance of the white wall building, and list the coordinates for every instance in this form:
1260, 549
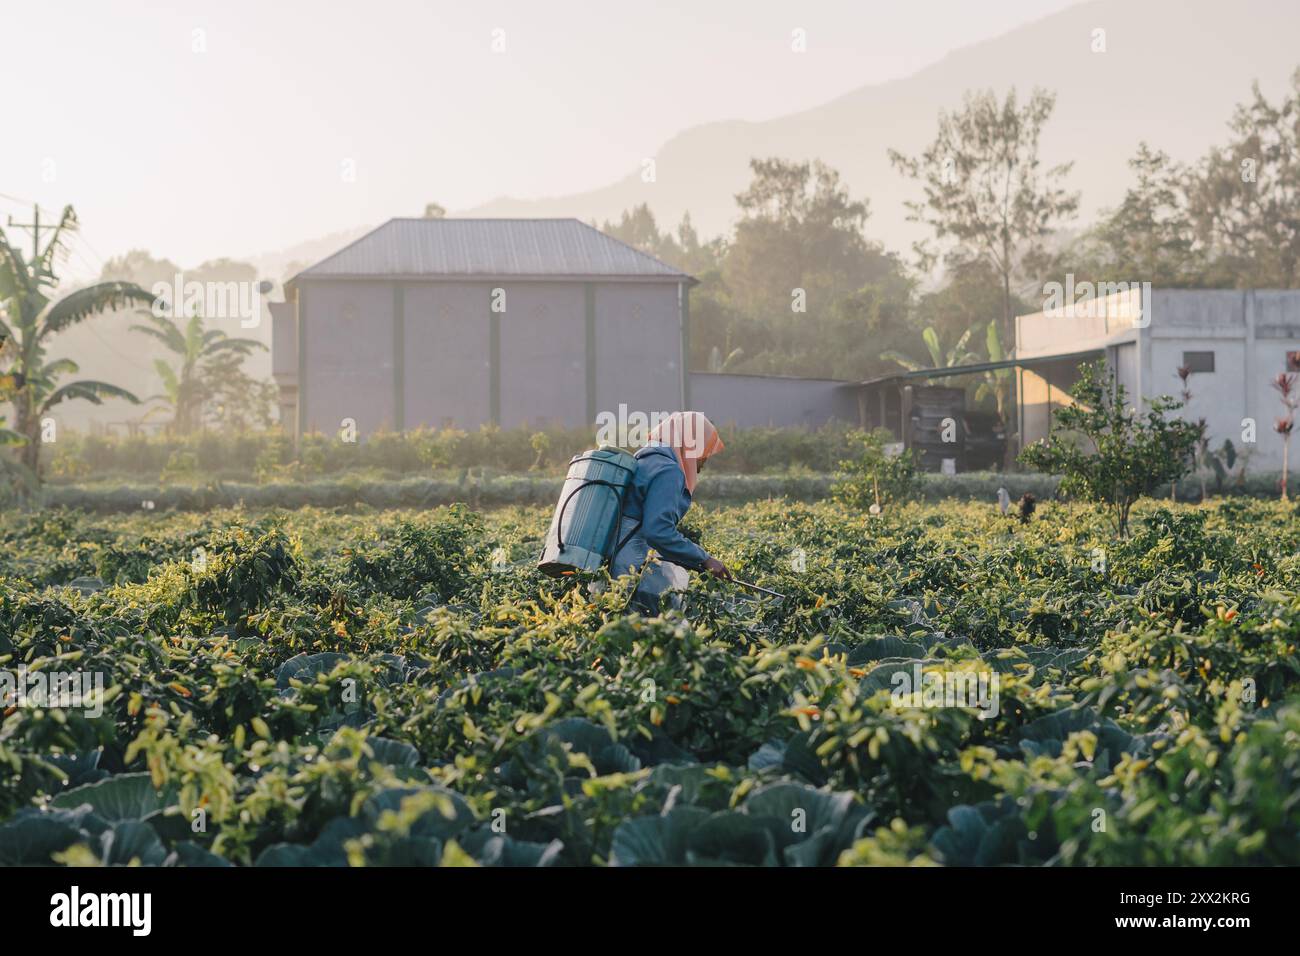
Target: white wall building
1236, 342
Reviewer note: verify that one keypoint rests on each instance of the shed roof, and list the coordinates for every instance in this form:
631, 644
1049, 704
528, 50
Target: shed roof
489, 248
952, 371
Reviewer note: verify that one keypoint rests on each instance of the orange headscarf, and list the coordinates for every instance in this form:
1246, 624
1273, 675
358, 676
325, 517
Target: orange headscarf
692, 438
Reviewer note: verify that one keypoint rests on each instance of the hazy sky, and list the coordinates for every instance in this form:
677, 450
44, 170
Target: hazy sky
228, 127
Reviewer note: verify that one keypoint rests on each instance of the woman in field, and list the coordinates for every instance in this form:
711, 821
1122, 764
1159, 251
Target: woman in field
668, 467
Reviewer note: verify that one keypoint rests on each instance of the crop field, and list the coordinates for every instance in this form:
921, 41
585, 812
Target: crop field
940, 685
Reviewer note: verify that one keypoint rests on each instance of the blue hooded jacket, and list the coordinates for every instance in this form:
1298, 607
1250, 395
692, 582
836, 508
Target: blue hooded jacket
658, 498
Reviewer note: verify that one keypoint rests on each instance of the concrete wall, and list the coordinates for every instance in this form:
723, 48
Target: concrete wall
284, 341
638, 347
1081, 326
1043, 389
1035, 397
346, 330
1276, 330
284, 362
446, 372
1124, 360
543, 355
413, 354
1250, 333
751, 401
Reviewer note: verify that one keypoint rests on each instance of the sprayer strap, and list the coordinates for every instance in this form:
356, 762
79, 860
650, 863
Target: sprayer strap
635, 528
564, 505
628, 537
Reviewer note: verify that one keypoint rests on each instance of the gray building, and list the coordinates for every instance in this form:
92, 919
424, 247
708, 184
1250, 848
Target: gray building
467, 322
1234, 342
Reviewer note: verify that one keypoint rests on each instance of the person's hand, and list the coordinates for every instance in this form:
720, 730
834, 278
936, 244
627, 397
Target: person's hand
717, 569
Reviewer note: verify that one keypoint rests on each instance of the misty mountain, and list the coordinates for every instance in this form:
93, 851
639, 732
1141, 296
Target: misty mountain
1171, 73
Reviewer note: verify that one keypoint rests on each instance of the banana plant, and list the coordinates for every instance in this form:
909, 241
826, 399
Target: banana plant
8, 384
199, 351
996, 382
30, 315
939, 356
12, 474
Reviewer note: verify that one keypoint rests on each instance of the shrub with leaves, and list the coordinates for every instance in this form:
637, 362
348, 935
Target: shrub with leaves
355, 688
873, 476
1106, 451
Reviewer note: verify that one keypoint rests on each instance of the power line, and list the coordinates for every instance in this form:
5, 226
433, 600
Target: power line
19, 200
93, 251
130, 361
75, 233
95, 270
75, 248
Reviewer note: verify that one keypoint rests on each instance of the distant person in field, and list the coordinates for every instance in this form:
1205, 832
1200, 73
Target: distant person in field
668, 467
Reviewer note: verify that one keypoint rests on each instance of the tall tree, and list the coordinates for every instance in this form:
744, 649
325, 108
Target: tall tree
970, 296
800, 231
1245, 196
1148, 237
637, 227
32, 316
986, 194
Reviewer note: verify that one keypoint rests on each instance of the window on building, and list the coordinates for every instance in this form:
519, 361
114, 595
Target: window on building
1199, 361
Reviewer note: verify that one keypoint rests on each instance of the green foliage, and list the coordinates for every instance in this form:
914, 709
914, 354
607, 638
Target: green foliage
799, 229
938, 355
1148, 237
873, 477
30, 315
181, 466
1225, 221
443, 452
985, 195
1106, 452
411, 559
208, 375
1242, 197
796, 289
322, 688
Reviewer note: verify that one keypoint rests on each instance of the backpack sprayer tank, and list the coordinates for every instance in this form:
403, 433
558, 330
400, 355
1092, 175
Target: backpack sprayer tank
587, 518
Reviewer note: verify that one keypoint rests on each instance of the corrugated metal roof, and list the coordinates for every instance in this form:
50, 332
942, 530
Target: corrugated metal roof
542, 248
952, 371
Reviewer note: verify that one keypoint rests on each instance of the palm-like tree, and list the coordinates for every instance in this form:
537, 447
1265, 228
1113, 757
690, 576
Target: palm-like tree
12, 473
7, 386
201, 353
30, 315
940, 357
996, 382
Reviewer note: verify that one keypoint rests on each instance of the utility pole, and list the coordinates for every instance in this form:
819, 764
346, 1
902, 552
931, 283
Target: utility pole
36, 228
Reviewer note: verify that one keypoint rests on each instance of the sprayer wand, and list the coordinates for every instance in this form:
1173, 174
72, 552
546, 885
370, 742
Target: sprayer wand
755, 587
